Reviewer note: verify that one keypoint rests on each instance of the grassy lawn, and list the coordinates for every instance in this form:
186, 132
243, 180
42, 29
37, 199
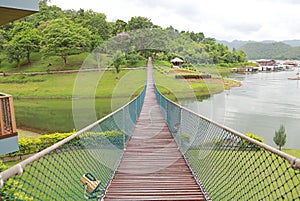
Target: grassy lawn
180, 89
293, 152
39, 64
62, 85
44, 102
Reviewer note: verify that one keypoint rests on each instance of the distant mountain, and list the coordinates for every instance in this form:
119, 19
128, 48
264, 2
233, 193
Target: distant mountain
293, 43
239, 43
266, 50
269, 49
234, 44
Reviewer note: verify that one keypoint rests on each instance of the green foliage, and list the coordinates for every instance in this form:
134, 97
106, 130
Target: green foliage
119, 27
68, 32
14, 52
62, 37
2, 166
111, 138
24, 40
248, 145
11, 188
133, 58
280, 137
266, 50
255, 137
139, 23
29, 146
119, 59
192, 76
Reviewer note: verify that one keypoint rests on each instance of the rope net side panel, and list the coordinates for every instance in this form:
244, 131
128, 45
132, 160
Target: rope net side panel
229, 167
98, 150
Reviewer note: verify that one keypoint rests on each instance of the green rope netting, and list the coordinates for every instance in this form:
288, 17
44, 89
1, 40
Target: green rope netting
98, 150
226, 166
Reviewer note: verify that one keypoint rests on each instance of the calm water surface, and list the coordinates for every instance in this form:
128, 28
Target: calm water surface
259, 106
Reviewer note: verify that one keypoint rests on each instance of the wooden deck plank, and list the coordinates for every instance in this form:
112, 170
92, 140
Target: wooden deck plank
152, 167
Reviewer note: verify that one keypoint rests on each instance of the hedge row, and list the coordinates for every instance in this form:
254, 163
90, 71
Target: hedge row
192, 76
108, 139
30, 146
87, 140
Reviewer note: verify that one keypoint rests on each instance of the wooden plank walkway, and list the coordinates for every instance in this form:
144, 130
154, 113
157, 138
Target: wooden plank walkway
152, 167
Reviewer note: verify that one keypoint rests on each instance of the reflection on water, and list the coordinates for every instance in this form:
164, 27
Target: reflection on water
259, 106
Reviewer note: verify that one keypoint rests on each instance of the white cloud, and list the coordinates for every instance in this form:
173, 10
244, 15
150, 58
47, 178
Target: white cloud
230, 19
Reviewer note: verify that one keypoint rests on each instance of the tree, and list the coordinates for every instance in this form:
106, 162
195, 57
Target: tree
139, 23
280, 137
29, 41
18, 27
14, 52
197, 37
119, 59
63, 38
46, 13
22, 38
119, 27
97, 24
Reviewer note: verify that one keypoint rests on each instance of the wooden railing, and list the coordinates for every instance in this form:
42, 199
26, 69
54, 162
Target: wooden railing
7, 117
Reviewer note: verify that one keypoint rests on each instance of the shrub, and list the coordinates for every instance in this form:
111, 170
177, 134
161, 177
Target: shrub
106, 139
87, 140
248, 145
30, 146
2, 166
255, 137
192, 76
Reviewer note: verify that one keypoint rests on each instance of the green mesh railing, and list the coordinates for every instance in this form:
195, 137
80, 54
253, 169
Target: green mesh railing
56, 172
228, 165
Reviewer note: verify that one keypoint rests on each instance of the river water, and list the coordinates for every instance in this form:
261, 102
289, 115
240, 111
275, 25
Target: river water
259, 106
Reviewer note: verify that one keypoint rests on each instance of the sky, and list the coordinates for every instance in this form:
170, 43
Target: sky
221, 19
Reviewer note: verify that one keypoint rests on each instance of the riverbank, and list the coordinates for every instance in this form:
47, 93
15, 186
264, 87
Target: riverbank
44, 103
259, 106
181, 89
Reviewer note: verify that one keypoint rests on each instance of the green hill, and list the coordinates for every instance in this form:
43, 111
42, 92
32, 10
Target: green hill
277, 50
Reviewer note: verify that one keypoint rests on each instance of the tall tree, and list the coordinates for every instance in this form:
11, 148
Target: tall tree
280, 137
119, 27
14, 52
46, 13
197, 37
29, 41
18, 27
62, 38
97, 24
139, 23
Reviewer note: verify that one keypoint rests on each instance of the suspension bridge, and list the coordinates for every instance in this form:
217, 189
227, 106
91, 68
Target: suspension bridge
154, 149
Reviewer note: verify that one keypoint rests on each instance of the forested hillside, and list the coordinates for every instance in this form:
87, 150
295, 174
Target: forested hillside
278, 50
287, 49
63, 33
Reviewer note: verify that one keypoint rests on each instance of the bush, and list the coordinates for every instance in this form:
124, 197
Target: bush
2, 166
87, 140
192, 76
255, 137
106, 139
30, 146
248, 145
